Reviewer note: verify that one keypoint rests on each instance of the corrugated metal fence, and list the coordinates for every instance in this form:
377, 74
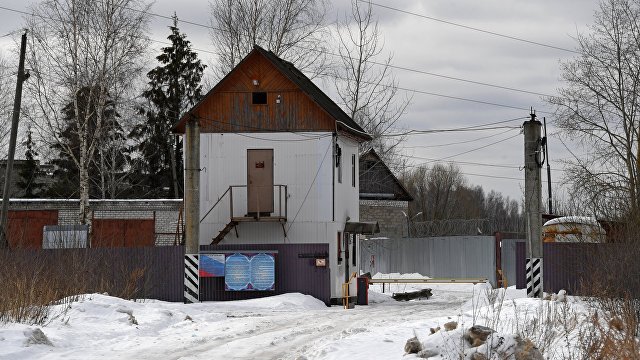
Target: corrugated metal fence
149, 272
449, 257
158, 272
509, 260
587, 268
295, 272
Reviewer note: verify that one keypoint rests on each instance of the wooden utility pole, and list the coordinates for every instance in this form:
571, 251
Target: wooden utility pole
4, 243
532, 204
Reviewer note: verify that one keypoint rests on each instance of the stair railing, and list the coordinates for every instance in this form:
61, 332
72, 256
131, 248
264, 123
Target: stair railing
229, 190
216, 204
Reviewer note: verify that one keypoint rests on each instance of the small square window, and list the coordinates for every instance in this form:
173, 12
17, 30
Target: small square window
259, 98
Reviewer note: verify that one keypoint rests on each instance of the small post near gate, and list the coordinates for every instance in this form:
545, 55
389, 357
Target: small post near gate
191, 278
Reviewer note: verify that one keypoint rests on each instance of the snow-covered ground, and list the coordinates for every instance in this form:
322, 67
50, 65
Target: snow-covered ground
290, 326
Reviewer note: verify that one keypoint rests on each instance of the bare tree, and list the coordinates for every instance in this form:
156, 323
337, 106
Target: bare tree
6, 103
292, 29
446, 201
86, 53
599, 107
436, 190
364, 80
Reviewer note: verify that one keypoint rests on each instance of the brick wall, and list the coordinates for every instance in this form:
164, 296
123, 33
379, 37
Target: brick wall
165, 212
388, 213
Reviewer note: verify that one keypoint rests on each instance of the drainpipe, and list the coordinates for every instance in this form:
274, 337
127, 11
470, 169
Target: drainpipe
192, 187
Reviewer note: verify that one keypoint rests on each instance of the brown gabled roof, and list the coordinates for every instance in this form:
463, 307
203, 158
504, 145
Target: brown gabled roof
377, 182
343, 121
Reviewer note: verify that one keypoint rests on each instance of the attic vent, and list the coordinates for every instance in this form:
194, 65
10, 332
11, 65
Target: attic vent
259, 98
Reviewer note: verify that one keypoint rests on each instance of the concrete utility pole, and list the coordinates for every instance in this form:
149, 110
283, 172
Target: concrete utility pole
532, 204
4, 243
546, 158
192, 212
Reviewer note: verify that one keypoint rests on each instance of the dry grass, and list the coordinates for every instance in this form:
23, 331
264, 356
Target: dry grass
34, 280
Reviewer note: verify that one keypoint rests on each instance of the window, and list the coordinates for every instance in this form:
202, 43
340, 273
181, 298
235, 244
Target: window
339, 247
339, 162
259, 98
353, 170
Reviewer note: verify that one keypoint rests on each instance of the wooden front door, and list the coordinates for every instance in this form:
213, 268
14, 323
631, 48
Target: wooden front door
260, 181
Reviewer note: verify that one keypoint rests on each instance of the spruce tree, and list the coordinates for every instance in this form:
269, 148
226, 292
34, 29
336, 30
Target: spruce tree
29, 171
173, 87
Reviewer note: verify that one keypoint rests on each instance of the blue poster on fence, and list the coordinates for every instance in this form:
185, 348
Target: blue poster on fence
247, 272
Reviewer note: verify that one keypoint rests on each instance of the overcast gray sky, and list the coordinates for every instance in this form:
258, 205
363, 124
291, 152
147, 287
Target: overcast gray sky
444, 49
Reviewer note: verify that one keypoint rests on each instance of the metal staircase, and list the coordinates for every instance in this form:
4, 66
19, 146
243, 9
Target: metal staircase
279, 214
227, 229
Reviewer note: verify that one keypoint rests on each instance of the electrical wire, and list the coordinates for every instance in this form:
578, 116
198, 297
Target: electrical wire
455, 143
451, 97
404, 68
481, 147
438, 131
471, 28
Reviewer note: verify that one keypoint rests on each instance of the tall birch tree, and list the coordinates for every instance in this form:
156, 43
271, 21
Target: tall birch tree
78, 46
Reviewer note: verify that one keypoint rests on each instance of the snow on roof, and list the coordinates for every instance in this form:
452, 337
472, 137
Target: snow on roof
573, 219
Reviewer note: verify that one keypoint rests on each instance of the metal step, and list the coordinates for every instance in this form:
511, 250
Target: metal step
232, 224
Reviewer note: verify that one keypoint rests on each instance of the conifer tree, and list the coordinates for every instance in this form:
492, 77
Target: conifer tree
28, 173
173, 87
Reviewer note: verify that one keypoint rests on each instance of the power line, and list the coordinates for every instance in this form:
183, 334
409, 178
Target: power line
371, 83
481, 147
437, 131
405, 68
472, 28
423, 72
487, 175
455, 143
429, 160
447, 96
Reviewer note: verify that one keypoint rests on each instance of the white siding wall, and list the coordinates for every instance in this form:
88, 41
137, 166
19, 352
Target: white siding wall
302, 161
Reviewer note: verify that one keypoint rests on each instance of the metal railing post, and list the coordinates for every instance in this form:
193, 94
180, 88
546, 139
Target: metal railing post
279, 200
231, 201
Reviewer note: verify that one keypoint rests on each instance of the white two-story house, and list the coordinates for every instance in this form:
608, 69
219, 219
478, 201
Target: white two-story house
279, 165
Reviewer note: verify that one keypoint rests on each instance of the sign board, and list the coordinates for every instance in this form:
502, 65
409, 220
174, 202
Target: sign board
212, 265
250, 272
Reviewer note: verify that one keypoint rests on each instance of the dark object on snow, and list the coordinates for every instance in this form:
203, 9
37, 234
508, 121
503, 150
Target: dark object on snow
363, 290
526, 350
477, 335
412, 346
478, 356
420, 294
37, 337
451, 325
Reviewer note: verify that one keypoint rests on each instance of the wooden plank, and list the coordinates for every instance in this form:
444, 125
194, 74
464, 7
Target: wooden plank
229, 108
